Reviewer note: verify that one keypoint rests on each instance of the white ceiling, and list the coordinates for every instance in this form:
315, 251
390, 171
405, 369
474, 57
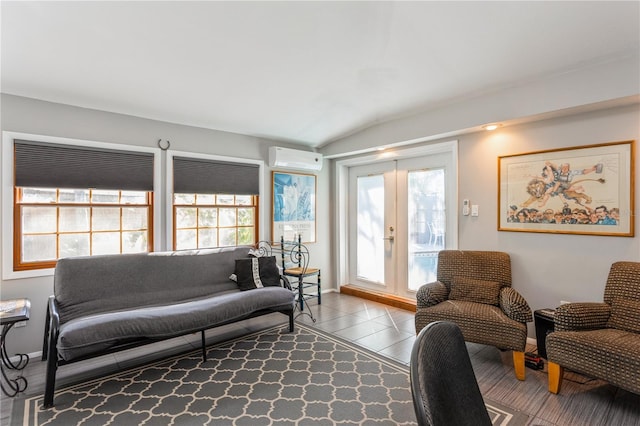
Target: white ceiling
304, 72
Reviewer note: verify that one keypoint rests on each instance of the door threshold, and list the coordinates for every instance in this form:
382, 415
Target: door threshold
380, 297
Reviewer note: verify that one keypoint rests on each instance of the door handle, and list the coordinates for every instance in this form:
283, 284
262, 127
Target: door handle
391, 238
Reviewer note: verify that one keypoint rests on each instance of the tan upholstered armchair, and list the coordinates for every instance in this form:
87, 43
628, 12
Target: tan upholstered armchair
600, 340
474, 291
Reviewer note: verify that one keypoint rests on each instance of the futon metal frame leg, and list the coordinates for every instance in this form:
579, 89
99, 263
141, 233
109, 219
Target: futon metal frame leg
204, 347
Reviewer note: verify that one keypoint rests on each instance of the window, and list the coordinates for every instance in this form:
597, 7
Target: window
55, 223
214, 220
79, 200
215, 203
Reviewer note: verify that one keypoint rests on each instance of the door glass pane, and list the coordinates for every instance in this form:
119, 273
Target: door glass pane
426, 224
370, 228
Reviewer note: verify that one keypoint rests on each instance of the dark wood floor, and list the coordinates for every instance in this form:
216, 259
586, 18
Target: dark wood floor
390, 331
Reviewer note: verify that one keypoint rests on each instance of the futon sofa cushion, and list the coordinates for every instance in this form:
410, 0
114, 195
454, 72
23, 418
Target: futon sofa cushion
99, 332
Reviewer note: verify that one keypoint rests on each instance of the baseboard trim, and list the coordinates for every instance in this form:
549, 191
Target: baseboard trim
385, 298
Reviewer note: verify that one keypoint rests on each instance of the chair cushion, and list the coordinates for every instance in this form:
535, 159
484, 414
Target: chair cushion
257, 272
625, 315
473, 290
479, 322
607, 354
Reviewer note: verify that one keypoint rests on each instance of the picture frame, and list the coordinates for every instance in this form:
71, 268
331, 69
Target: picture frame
581, 190
293, 204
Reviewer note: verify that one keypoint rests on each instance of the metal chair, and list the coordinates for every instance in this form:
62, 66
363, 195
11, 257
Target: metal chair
444, 388
295, 265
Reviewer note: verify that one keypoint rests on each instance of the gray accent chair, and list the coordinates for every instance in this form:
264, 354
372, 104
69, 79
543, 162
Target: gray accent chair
444, 388
601, 340
473, 290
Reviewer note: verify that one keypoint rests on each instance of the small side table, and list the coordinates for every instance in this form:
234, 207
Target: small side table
12, 312
544, 325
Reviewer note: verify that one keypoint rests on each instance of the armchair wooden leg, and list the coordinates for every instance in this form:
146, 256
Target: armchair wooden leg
518, 364
555, 376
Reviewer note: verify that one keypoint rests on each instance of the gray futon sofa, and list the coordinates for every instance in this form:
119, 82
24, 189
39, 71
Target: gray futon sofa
103, 304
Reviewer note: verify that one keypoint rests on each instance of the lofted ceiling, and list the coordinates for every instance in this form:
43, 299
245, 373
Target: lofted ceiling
302, 72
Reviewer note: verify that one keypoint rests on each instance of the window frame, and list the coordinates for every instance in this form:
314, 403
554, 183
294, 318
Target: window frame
169, 212
255, 205
20, 265
9, 205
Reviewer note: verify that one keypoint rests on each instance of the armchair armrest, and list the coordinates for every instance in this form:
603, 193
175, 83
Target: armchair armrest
514, 305
431, 294
581, 316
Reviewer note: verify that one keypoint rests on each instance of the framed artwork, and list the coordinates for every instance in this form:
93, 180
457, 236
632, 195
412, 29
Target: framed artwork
293, 207
581, 190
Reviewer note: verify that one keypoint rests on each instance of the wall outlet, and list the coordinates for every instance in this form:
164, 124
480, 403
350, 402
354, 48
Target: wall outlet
564, 302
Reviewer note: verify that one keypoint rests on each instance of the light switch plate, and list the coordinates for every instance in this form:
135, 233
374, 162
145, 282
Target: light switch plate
474, 210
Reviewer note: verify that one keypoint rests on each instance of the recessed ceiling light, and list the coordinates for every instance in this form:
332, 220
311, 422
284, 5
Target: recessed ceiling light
491, 126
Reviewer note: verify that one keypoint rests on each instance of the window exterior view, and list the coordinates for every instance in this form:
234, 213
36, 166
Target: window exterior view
214, 220
54, 223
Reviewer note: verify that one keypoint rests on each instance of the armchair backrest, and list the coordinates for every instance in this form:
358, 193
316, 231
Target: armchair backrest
480, 265
622, 293
623, 282
443, 386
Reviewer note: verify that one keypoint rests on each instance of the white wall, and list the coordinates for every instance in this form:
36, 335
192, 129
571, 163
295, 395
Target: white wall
547, 268
24, 115
591, 105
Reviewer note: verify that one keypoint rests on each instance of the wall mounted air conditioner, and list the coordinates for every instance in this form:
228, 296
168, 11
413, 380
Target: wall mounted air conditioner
294, 159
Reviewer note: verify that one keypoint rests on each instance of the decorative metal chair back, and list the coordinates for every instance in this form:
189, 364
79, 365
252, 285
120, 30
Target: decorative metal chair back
295, 268
264, 248
295, 256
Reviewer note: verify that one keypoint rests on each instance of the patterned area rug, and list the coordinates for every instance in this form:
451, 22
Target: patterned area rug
268, 378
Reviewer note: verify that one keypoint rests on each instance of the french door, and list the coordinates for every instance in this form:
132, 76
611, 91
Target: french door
398, 222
